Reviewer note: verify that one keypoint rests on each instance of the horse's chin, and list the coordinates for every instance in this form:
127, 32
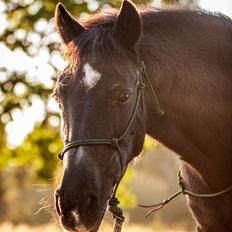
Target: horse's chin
75, 223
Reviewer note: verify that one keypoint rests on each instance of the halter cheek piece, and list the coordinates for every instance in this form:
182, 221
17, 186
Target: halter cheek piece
115, 141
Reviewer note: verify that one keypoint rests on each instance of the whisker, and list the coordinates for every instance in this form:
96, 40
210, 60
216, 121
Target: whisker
47, 204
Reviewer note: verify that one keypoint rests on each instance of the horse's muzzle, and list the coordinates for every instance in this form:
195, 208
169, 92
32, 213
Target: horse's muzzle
77, 217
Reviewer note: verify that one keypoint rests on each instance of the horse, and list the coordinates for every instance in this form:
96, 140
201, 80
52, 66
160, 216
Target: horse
162, 72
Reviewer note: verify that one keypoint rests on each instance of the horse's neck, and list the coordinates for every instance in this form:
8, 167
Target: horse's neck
197, 115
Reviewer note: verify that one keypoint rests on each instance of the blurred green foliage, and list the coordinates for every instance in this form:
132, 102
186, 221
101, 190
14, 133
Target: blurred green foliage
124, 193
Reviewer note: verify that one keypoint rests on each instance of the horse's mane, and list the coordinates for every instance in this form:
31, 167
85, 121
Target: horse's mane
100, 41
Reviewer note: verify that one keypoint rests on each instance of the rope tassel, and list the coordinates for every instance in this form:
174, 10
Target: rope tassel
158, 206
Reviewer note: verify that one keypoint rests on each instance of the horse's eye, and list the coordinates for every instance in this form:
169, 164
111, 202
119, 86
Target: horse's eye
123, 96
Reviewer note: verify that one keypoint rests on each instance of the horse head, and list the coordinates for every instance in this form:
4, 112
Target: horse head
98, 97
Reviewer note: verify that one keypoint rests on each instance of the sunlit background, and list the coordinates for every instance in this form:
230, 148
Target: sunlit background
30, 59
39, 62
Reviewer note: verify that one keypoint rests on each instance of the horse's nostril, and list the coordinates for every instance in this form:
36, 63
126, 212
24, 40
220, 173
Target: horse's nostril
57, 204
58, 192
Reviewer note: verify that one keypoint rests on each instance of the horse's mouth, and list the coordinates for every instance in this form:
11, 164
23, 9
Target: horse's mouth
85, 216
75, 222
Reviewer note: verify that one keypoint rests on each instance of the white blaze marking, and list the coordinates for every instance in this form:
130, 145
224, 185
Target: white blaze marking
91, 76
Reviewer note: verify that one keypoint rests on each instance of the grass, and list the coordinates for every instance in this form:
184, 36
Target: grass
9, 227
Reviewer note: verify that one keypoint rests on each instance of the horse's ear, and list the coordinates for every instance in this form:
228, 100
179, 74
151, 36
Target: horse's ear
128, 24
67, 26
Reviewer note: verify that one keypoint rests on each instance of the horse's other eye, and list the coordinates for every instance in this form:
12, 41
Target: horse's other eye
123, 96
57, 99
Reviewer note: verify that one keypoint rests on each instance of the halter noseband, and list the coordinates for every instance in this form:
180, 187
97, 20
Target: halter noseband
114, 141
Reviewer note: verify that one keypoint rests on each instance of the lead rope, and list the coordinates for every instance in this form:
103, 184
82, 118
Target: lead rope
183, 190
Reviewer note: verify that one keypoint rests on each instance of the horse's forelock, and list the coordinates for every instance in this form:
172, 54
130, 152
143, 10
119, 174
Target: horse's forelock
98, 41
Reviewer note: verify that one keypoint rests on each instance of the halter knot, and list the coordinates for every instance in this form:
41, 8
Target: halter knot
114, 141
113, 201
115, 210
161, 112
181, 183
60, 155
142, 85
142, 67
